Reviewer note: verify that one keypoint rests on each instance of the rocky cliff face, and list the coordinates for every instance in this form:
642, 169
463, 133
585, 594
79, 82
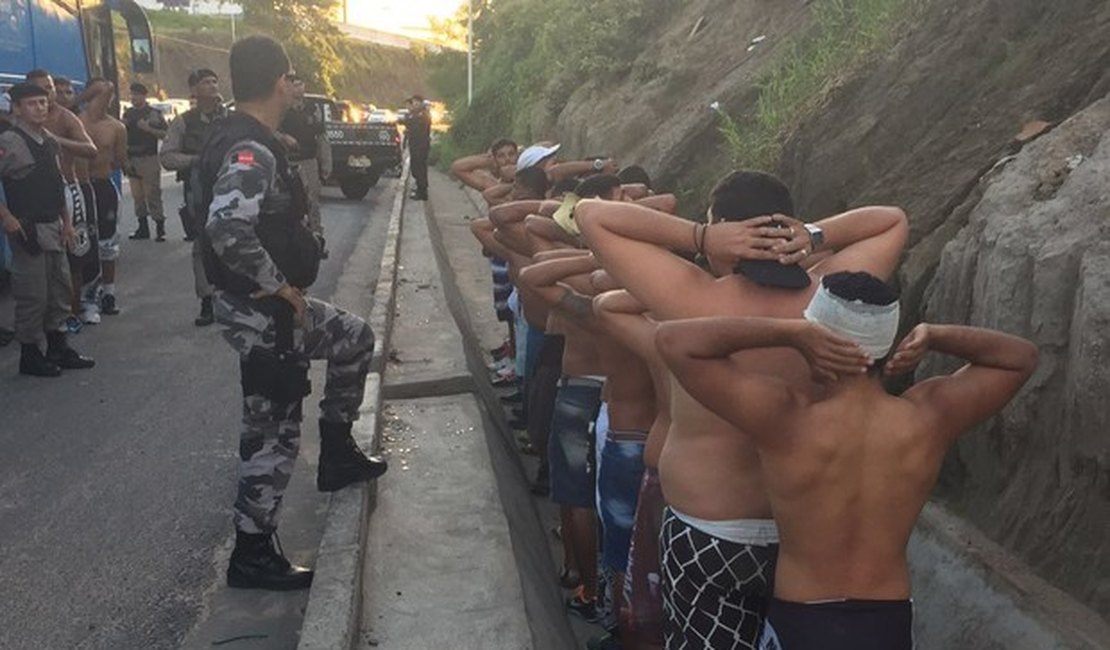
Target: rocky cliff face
1034, 260
922, 125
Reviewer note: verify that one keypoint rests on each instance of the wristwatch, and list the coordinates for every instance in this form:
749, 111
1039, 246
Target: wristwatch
816, 236
599, 164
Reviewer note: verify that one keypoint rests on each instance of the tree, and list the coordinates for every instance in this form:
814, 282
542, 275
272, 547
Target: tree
308, 31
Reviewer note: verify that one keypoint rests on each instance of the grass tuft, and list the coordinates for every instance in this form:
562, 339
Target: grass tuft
843, 35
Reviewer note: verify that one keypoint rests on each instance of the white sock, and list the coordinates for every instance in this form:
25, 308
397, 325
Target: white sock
110, 289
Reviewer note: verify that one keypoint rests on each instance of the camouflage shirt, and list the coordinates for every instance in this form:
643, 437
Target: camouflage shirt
247, 185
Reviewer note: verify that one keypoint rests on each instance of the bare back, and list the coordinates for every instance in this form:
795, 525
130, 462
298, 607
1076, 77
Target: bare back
709, 468
61, 121
629, 389
848, 479
110, 137
580, 357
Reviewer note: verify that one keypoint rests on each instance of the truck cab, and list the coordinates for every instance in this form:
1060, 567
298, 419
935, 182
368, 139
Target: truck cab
361, 152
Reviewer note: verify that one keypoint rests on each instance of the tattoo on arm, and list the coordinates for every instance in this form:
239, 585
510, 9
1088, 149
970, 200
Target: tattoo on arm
576, 305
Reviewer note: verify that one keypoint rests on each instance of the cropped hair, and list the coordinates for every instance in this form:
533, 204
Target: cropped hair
501, 143
861, 286
634, 174
745, 194
534, 180
597, 186
257, 64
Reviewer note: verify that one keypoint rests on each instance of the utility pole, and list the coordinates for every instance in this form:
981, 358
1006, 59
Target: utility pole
470, 53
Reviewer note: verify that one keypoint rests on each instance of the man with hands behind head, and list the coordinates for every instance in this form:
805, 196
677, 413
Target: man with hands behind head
847, 469
719, 513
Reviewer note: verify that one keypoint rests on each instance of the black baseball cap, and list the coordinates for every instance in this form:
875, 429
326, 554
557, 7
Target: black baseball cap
770, 273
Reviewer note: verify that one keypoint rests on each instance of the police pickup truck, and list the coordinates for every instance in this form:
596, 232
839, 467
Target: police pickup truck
361, 152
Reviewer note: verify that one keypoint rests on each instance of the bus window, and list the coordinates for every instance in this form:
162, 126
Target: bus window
99, 46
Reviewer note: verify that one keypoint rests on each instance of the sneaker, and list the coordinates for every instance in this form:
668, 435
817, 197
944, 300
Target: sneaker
108, 305
90, 315
501, 352
503, 365
73, 324
582, 608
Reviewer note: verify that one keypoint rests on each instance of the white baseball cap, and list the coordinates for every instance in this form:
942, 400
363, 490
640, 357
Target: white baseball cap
532, 156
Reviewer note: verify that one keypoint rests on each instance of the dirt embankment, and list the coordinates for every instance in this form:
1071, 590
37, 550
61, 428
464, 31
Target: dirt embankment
918, 125
377, 74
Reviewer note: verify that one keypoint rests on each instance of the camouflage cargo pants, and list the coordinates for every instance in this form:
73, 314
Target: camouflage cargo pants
271, 431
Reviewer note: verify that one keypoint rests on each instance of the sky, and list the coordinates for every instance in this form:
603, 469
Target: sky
399, 15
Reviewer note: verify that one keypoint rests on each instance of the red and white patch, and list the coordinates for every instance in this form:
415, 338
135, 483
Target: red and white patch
244, 157
3, 152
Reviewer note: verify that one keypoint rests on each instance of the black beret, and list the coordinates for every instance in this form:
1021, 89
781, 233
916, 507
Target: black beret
25, 90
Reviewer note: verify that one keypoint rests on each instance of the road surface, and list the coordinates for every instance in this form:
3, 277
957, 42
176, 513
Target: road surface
116, 482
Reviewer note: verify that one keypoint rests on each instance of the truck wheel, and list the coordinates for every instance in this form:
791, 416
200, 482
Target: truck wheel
357, 187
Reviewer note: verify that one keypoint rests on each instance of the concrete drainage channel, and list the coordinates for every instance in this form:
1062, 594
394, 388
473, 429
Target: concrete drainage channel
335, 602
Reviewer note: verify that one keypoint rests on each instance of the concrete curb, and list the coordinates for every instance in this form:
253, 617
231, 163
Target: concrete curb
331, 620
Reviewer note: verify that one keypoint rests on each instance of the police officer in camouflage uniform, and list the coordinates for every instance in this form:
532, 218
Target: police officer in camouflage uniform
260, 256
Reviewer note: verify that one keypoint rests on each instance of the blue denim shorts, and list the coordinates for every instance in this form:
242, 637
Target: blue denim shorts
618, 485
568, 447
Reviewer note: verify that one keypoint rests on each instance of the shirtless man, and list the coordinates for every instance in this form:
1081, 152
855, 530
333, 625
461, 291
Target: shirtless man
718, 511
484, 170
641, 617
75, 143
627, 413
110, 137
577, 401
847, 471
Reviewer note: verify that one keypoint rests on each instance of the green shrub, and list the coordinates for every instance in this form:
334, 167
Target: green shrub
535, 53
843, 35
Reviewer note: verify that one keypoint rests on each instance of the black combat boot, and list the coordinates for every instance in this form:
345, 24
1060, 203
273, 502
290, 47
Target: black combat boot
159, 231
31, 362
59, 353
341, 461
205, 317
143, 231
257, 564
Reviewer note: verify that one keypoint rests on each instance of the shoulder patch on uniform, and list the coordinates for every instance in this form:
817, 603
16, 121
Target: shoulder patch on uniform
244, 157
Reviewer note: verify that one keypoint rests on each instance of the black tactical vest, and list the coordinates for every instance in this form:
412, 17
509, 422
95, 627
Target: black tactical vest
197, 129
39, 196
281, 224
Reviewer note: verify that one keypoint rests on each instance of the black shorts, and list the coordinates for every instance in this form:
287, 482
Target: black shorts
839, 625
84, 259
107, 217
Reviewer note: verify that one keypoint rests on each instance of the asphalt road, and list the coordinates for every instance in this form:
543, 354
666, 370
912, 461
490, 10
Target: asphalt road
116, 482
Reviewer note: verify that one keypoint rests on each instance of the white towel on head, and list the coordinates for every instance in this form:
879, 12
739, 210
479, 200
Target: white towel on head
873, 327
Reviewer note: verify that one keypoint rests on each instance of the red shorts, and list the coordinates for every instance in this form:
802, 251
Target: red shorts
643, 588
